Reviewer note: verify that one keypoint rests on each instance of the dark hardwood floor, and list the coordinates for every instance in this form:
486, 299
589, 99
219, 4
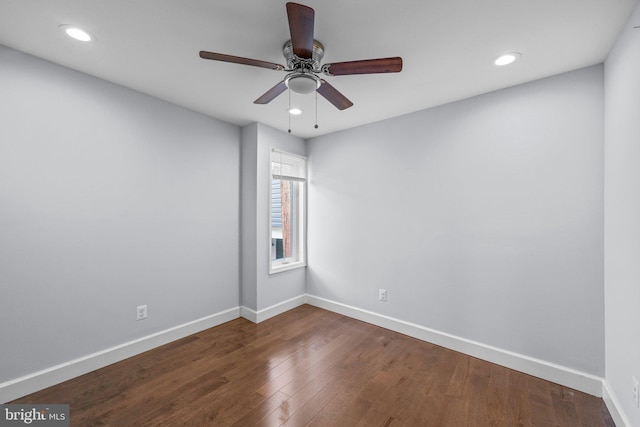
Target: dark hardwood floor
316, 368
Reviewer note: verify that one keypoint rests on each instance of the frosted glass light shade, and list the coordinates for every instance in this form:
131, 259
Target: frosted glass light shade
303, 83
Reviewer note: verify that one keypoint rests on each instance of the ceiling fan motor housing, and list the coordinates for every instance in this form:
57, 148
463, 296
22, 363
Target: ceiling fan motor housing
311, 64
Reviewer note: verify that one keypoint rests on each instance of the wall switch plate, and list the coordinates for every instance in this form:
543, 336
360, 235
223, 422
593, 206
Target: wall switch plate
141, 312
382, 295
636, 392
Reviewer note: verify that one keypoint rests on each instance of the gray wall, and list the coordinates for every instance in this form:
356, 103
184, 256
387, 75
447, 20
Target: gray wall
622, 216
109, 199
249, 217
482, 219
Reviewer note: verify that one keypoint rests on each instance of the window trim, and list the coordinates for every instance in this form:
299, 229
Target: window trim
278, 266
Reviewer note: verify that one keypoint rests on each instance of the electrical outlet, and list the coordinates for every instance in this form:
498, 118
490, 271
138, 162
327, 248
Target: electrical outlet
141, 312
636, 392
382, 295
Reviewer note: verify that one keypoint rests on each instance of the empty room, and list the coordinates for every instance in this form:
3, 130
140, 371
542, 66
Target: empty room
325, 213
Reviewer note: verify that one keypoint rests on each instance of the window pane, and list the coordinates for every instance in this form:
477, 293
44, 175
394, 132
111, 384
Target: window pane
276, 220
283, 218
287, 212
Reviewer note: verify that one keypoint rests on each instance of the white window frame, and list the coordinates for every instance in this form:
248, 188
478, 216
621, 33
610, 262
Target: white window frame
299, 259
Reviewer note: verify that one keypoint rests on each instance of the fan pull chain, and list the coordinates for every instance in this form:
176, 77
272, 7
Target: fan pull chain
289, 111
316, 126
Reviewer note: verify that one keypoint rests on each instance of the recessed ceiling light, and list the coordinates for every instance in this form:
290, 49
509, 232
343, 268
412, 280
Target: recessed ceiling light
506, 59
295, 111
76, 33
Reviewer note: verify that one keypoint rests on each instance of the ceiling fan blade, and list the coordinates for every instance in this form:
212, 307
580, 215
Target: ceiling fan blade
332, 95
301, 27
240, 60
271, 94
367, 66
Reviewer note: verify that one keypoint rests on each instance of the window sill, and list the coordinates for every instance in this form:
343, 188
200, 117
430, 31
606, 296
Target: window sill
279, 268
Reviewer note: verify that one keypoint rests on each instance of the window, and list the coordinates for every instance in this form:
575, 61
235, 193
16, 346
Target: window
287, 214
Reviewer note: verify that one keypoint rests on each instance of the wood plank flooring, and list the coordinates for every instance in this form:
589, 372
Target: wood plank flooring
311, 367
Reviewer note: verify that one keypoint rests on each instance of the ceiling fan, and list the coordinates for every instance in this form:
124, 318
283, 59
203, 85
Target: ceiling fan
304, 55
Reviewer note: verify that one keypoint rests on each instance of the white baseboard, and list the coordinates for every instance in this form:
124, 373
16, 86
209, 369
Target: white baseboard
558, 374
274, 310
36, 381
613, 406
568, 377
249, 314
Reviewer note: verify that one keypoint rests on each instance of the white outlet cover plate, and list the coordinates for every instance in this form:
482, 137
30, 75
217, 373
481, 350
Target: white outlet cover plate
141, 312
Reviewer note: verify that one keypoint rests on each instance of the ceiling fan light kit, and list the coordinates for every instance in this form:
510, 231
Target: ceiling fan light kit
302, 83
303, 56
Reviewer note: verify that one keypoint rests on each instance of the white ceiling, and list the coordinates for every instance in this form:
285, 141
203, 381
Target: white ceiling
447, 46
